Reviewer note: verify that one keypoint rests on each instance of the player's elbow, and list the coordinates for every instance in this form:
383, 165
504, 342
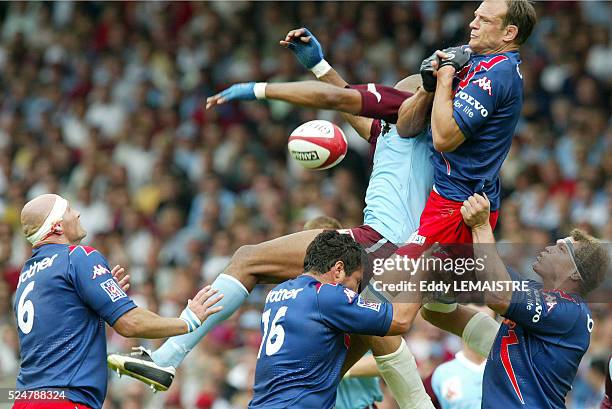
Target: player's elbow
404, 324
403, 316
245, 264
443, 145
128, 324
499, 306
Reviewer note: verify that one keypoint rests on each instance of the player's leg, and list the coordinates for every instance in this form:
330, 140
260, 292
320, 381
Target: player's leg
268, 262
272, 261
399, 370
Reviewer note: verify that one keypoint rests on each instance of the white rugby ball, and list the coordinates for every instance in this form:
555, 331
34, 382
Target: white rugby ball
317, 144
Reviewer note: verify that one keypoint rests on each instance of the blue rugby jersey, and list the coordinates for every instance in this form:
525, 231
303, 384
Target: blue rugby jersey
64, 296
305, 327
536, 353
487, 106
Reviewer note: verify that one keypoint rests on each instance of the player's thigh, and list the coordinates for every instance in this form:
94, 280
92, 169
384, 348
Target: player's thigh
359, 346
272, 261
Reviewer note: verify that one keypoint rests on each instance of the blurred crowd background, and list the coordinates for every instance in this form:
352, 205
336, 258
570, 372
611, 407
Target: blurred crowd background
102, 103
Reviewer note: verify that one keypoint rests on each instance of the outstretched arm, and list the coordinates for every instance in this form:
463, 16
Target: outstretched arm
310, 94
309, 53
142, 323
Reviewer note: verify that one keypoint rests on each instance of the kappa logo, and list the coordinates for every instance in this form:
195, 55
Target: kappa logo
483, 83
350, 294
113, 290
367, 304
550, 300
466, 76
99, 270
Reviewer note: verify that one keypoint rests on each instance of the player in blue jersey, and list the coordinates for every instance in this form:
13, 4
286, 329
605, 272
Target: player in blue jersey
533, 357
360, 387
64, 295
477, 104
396, 195
306, 325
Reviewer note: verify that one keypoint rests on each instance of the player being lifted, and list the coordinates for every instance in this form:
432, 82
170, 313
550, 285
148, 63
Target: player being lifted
535, 353
65, 290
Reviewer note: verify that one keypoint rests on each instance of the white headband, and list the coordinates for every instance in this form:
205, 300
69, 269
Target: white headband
56, 215
569, 243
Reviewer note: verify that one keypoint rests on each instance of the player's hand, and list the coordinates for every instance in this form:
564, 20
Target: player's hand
244, 91
476, 210
305, 46
201, 307
428, 73
123, 278
456, 57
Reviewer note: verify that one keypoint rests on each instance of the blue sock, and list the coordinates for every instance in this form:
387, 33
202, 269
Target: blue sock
175, 349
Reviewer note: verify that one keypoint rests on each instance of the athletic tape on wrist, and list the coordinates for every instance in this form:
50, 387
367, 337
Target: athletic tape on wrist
192, 321
321, 68
260, 90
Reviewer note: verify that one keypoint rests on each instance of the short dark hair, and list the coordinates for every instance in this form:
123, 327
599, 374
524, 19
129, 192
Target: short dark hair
330, 247
322, 222
592, 260
521, 14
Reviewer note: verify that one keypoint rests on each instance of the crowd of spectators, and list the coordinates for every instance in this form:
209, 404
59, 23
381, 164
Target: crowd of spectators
102, 103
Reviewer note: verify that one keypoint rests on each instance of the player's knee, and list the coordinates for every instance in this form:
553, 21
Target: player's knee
240, 261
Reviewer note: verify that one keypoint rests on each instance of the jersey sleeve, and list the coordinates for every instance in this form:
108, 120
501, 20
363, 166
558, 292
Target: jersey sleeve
96, 286
375, 130
380, 101
345, 310
544, 312
476, 101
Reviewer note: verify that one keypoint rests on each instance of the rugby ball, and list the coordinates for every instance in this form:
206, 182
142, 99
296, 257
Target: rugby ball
317, 145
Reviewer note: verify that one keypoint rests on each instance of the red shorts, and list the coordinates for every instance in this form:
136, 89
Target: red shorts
51, 404
441, 222
376, 246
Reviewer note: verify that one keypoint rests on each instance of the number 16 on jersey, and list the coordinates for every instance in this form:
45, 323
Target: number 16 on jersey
274, 334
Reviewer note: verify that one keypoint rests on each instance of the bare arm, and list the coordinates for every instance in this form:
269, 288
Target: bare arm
447, 135
414, 113
142, 323
360, 124
314, 94
475, 212
403, 316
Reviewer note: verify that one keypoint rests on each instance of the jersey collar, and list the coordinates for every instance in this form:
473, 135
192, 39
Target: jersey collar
460, 356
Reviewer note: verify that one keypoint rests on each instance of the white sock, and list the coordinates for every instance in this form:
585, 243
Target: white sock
400, 373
